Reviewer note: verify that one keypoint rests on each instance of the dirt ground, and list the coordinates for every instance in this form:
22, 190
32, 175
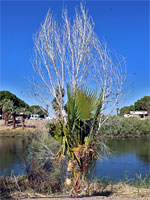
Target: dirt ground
29, 123
87, 198
84, 198
118, 191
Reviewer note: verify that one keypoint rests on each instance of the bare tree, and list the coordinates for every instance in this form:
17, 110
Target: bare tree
110, 75
71, 52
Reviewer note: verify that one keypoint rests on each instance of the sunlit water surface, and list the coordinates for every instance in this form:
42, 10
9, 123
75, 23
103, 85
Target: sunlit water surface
130, 158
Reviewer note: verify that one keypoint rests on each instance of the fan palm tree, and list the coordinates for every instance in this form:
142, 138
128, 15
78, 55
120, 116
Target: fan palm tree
23, 112
7, 108
13, 112
77, 136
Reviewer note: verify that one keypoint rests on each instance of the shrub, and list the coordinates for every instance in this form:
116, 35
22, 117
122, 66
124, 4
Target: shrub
125, 127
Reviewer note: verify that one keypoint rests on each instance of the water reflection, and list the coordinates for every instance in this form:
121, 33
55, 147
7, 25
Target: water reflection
12, 155
130, 155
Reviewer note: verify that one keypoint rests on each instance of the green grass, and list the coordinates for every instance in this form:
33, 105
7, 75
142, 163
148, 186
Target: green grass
138, 181
17, 132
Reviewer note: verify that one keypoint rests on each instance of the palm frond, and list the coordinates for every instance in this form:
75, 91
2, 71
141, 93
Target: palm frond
86, 103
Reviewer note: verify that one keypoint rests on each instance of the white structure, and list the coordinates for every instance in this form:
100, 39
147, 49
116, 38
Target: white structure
127, 115
48, 118
33, 116
139, 114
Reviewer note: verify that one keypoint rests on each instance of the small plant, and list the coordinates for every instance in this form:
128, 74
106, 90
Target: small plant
142, 182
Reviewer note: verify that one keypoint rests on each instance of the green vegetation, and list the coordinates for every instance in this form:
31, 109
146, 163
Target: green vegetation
83, 108
77, 136
19, 132
16, 101
35, 109
118, 126
10, 105
126, 110
9, 109
142, 104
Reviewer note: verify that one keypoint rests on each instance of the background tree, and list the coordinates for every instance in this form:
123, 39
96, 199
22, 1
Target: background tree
12, 103
16, 101
13, 113
143, 104
71, 52
23, 112
39, 110
7, 108
126, 110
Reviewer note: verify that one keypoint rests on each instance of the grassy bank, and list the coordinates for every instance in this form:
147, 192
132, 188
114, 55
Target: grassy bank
18, 132
115, 127
31, 127
25, 186
121, 127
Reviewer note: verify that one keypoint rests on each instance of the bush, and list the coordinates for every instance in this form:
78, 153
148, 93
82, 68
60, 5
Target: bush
125, 127
43, 182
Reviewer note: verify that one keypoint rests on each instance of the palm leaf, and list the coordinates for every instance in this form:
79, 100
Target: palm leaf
98, 110
71, 103
86, 103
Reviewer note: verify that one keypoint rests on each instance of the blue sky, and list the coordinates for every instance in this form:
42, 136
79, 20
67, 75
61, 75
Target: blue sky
123, 24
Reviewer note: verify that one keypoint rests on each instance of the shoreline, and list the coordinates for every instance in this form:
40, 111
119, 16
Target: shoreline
18, 132
21, 187
34, 126
31, 127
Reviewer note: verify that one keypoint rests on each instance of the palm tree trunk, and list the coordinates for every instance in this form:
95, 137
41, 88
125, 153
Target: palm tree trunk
3, 116
23, 121
6, 119
14, 120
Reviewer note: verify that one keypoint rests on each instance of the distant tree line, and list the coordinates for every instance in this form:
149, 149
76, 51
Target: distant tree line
142, 104
16, 101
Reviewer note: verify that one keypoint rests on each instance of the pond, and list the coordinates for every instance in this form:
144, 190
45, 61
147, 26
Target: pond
12, 156
130, 156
